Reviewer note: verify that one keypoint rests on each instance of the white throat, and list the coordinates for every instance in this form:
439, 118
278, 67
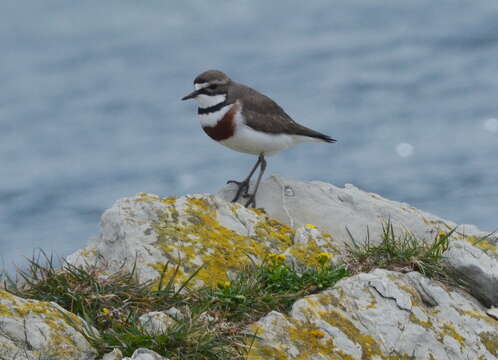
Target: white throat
206, 101
212, 118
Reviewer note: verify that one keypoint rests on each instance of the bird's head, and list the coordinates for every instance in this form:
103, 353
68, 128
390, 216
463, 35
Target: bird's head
211, 88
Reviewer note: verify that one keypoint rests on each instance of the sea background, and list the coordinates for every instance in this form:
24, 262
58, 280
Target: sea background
90, 106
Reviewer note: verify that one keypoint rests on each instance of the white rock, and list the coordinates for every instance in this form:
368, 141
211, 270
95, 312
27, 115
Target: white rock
477, 269
115, 354
188, 231
174, 313
493, 312
376, 315
145, 354
336, 210
333, 209
31, 329
156, 322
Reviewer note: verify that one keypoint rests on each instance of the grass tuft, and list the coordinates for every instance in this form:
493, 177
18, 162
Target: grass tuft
402, 253
211, 322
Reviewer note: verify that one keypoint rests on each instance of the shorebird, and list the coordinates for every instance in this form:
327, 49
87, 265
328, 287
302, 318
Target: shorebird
247, 121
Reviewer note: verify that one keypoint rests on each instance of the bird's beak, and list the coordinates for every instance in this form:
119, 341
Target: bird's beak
192, 95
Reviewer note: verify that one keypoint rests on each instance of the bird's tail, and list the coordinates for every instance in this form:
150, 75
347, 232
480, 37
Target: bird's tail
316, 135
326, 138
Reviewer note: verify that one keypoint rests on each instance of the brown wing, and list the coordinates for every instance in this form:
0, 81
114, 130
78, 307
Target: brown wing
263, 114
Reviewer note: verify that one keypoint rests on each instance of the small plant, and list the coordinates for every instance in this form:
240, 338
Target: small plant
88, 292
273, 285
212, 321
191, 337
400, 252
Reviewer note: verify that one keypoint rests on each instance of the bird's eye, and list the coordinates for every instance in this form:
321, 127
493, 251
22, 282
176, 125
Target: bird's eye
213, 86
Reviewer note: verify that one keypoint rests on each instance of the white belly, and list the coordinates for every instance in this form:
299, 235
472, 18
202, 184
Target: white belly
250, 141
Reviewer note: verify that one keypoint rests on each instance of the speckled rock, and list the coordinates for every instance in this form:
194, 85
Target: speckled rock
473, 254
115, 354
189, 231
145, 354
380, 315
33, 330
156, 322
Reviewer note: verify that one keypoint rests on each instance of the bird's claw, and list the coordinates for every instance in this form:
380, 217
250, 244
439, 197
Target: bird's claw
238, 183
243, 189
252, 200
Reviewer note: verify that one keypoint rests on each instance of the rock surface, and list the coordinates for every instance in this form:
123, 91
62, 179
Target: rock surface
333, 209
33, 330
139, 354
156, 322
191, 231
145, 354
473, 254
380, 315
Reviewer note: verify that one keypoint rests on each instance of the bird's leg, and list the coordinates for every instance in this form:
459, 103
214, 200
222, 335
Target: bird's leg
252, 197
244, 185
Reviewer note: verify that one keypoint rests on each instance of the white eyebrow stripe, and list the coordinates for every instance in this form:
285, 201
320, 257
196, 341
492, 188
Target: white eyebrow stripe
200, 86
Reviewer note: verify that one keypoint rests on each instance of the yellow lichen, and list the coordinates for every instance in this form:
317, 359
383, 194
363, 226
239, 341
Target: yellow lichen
477, 315
483, 244
258, 211
317, 333
59, 345
414, 295
6, 295
203, 240
86, 253
490, 341
369, 346
449, 330
373, 303
310, 341
5, 311
425, 324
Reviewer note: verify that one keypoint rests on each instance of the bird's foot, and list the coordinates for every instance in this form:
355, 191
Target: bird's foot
234, 182
243, 189
251, 201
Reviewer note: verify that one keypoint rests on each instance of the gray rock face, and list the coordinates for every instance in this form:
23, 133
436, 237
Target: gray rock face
190, 231
336, 210
115, 354
33, 330
380, 315
145, 354
156, 322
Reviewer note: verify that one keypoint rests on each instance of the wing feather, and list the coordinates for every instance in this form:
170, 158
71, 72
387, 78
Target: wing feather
263, 114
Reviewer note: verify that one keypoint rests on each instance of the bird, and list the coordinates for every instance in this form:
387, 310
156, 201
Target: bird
246, 121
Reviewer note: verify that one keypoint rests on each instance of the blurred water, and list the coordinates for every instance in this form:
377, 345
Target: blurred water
90, 110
